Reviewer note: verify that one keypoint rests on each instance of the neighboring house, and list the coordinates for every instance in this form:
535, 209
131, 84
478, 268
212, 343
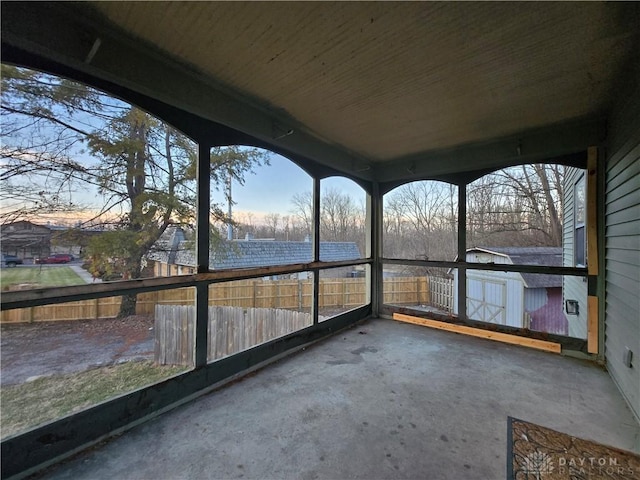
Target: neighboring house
162, 257
28, 240
174, 255
522, 300
73, 240
574, 249
25, 239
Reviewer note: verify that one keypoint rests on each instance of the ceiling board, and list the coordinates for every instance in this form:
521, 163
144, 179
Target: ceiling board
391, 80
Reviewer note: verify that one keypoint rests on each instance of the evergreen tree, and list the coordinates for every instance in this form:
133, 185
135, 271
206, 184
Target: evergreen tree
61, 138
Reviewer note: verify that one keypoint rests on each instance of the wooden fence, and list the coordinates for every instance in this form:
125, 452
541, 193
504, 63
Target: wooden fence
441, 293
231, 330
280, 294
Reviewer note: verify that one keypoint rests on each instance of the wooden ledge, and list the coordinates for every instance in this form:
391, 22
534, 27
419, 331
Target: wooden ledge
476, 332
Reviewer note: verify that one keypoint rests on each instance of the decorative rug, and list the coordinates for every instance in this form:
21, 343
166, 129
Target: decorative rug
539, 453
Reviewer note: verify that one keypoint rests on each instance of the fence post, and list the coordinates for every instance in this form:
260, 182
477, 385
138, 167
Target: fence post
428, 291
346, 291
255, 286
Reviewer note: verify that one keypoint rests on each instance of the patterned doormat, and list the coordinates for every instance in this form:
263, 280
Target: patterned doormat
539, 453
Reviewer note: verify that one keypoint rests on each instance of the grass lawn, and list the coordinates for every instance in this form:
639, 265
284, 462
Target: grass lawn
39, 277
29, 404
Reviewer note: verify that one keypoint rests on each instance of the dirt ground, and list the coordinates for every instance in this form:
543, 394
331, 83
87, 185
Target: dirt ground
29, 351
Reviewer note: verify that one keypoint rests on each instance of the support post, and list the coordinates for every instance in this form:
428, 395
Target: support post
316, 248
462, 251
601, 228
374, 284
202, 252
592, 251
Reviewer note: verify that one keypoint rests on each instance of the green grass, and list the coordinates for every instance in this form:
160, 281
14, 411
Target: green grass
39, 277
29, 404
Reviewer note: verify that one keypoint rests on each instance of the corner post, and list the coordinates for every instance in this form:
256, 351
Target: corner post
315, 231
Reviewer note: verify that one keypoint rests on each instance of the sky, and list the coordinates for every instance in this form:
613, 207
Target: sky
272, 188
269, 190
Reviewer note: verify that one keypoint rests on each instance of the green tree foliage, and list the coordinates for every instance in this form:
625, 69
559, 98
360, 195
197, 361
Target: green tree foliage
108, 254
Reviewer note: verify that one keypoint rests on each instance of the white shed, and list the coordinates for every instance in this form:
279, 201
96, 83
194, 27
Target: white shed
522, 300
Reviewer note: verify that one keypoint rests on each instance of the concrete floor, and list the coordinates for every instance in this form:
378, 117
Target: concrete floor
382, 400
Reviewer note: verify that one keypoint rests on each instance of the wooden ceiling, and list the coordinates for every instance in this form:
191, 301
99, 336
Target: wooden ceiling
380, 82
387, 80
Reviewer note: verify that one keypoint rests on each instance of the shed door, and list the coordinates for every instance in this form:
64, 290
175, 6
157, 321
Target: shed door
487, 300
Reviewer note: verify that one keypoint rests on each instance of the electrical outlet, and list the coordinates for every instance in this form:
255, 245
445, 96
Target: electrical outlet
628, 357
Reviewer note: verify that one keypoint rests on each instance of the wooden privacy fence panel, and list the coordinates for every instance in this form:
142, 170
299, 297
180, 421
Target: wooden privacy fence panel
231, 330
98, 308
276, 294
405, 290
433, 291
147, 302
342, 292
234, 329
174, 328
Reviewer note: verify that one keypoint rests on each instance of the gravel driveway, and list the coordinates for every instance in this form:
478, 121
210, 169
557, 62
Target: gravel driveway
29, 351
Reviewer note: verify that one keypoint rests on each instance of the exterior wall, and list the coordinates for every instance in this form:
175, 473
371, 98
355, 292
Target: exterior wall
544, 306
573, 288
25, 239
483, 257
72, 240
576, 289
535, 298
622, 243
157, 269
513, 289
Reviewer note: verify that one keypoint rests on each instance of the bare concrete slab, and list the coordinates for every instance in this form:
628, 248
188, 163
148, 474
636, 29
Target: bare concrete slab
382, 400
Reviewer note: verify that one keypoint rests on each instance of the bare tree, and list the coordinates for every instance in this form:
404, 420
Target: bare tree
272, 221
302, 204
421, 221
339, 216
514, 207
